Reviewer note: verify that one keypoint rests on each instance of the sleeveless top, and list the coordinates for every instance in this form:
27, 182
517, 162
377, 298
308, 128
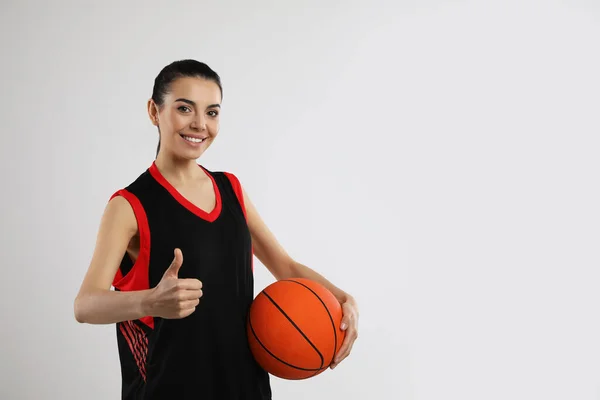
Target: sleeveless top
205, 355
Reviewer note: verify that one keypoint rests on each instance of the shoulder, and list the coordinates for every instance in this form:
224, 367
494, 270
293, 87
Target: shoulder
235, 182
236, 185
121, 210
142, 181
227, 175
124, 205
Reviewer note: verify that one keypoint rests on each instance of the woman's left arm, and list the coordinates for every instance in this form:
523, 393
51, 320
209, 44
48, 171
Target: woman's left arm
274, 257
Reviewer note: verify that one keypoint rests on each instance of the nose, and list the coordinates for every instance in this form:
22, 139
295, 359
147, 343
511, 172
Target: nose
199, 123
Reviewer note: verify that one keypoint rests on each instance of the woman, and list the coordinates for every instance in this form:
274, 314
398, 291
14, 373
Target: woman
178, 244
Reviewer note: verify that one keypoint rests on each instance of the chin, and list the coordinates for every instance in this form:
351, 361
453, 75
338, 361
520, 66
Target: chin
191, 154
187, 155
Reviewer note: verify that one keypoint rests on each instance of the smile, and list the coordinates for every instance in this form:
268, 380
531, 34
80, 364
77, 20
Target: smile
193, 139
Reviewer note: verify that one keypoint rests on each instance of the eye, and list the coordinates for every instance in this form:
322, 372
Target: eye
184, 108
213, 113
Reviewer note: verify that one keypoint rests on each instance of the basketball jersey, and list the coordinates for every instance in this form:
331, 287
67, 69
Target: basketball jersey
205, 355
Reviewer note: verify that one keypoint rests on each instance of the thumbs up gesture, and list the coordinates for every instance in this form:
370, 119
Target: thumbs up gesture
174, 298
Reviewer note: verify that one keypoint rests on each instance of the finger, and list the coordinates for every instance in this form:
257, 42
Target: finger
173, 269
341, 351
346, 347
344, 326
348, 350
189, 284
189, 304
342, 357
190, 295
186, 313
345, 323
181, 313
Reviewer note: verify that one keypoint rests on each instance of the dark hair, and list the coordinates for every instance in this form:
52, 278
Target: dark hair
176, 70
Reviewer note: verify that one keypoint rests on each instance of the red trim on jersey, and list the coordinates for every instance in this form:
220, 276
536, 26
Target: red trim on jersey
208, 216
137, 278
138, 344
237, 188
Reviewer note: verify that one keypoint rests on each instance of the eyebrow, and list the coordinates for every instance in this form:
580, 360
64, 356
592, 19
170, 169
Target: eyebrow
193, 103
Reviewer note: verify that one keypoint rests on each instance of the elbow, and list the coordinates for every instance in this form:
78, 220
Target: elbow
79, 310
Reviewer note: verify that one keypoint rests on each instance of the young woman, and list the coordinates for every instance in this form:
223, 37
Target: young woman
177, 245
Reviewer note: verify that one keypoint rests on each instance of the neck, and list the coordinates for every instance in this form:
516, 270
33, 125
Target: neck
178, 171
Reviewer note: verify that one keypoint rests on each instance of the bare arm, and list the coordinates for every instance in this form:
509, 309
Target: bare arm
95, 302
282, 266
270, 252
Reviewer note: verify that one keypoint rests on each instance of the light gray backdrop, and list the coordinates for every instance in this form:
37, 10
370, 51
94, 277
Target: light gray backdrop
437, 159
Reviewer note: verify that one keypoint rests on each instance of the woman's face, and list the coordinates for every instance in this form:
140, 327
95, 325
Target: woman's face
189, 118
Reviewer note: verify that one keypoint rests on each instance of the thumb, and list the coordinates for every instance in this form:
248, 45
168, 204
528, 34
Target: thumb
173, 269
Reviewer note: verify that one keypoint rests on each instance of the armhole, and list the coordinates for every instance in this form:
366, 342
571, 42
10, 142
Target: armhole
137, 278
237, 188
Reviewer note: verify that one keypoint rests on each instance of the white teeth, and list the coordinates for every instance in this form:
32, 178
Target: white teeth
194, 140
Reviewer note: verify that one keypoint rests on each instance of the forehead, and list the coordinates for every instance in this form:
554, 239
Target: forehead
199, 90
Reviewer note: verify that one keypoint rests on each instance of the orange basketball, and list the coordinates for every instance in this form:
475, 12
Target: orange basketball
294, 328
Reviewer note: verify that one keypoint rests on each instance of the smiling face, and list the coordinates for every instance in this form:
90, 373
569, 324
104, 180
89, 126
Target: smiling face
188, 118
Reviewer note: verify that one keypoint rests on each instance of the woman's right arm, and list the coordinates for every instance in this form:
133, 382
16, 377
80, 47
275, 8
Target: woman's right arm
96, 303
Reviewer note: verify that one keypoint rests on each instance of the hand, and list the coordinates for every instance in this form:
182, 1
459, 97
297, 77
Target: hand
350, 325
174, 298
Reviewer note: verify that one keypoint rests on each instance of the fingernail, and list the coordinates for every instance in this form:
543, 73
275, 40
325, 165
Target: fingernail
344, 326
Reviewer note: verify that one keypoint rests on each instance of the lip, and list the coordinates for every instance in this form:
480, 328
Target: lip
194, 136
194, 145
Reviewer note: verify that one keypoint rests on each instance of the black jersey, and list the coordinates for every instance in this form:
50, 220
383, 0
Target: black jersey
205, 355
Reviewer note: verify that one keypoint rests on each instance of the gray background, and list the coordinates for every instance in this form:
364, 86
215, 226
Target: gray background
437, 159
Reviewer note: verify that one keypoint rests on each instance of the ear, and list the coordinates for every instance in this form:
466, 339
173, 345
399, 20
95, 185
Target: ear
153, 112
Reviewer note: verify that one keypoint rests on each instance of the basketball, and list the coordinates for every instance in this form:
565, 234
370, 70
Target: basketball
294, 328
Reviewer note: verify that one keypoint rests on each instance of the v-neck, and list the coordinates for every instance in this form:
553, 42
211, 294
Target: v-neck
208, 216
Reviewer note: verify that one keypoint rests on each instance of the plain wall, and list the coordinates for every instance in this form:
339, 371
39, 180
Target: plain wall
436, 159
